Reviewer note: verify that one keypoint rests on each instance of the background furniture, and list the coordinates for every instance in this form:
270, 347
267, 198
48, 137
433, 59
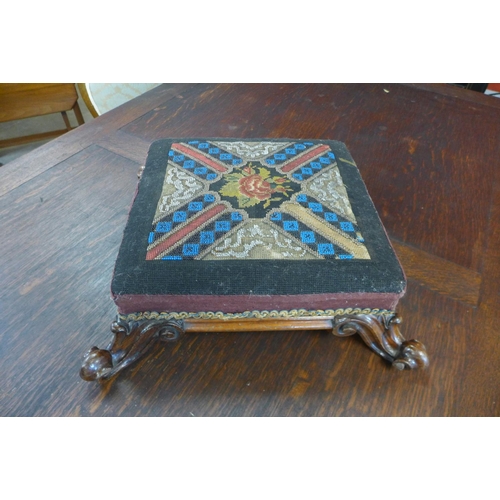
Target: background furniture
103, 97
26, 100
429, 159
477, 87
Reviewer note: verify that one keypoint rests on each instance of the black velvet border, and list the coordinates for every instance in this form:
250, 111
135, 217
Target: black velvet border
134, 275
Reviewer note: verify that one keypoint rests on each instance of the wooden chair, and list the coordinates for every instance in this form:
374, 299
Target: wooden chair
26, 100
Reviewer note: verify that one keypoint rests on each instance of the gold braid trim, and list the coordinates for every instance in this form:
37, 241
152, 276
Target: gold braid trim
294, 313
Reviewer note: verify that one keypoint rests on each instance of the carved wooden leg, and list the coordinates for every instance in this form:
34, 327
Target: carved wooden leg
131, 341
381, 334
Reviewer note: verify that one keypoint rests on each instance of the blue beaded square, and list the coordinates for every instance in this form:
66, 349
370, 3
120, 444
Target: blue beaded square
163, 227
179, 216
222, 225
290, 225
207, 237
325, 249
307, 237
315, 207
346, 226
195, 206
191, 249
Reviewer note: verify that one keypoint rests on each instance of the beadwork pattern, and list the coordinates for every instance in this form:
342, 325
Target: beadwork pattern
253, 200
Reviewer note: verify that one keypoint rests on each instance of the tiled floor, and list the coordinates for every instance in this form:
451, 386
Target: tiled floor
54, 121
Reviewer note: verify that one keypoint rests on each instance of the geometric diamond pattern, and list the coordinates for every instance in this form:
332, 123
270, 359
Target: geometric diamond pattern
328, 216
192, 166
239, 192
216, 152
288, 153
313, 167
204, 238
182, 214
312, 239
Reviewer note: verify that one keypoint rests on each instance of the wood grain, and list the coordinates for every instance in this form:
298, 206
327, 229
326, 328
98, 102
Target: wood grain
482, 388
126, 145
439, 274
206, 326
428, 155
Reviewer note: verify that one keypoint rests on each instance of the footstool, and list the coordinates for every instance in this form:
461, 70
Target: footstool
250, 235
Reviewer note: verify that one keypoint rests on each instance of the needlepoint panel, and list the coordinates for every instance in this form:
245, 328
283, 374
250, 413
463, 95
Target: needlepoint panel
250, 217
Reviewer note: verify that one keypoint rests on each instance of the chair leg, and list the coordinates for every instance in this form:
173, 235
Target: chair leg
131, 341
66, 120
381, 333
78, 114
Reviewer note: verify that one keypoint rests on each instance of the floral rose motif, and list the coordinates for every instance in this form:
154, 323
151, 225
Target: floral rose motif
254, 186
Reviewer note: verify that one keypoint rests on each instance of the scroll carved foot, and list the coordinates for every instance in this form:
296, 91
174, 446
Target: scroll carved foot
131, 341
381, 333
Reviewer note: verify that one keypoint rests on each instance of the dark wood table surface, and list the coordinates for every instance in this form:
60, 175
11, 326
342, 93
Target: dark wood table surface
429, 155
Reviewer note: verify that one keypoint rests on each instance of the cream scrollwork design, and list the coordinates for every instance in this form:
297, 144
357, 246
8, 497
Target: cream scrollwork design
274, 314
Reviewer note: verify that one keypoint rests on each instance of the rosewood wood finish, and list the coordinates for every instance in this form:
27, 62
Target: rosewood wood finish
382, 335
133, 339
427, 154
